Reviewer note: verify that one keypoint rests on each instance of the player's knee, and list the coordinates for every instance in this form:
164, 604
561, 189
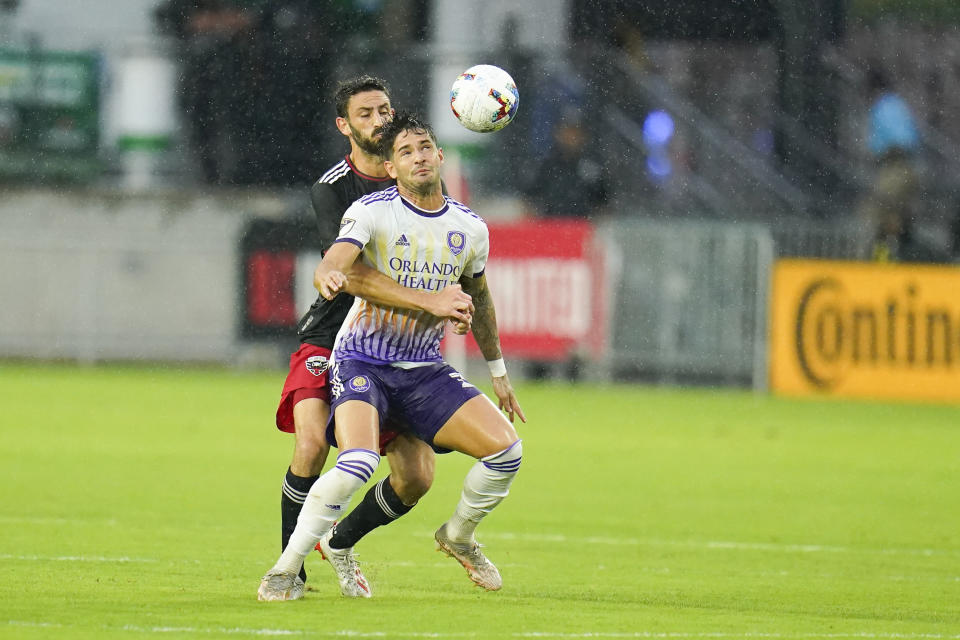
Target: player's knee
506, 461
412, 484
311, 434
309, 454
308, 442
411, 468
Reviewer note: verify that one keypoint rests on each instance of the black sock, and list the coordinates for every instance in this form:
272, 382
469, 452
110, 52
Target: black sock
380, 506
295, 489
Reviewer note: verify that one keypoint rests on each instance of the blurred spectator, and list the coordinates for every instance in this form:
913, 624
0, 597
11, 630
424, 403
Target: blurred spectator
251, 72
296, 45
523, 64
893, 142
897, 240
559, 87
571, 180
893, 130
213, 36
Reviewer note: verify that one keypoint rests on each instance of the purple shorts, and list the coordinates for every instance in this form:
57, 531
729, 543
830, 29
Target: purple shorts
422, 398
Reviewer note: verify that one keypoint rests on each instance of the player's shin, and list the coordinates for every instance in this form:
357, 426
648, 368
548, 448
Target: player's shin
381, 505
326, 502
486, 485
294, 493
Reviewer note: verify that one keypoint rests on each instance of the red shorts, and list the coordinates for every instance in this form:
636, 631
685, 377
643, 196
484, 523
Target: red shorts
309, 378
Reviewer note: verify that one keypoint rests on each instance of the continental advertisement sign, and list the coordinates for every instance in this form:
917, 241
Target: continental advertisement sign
858, 329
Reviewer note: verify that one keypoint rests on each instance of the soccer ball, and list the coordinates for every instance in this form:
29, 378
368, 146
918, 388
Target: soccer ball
484, 98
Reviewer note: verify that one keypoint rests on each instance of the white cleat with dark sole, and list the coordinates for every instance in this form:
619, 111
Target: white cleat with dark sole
277, 585
468, 554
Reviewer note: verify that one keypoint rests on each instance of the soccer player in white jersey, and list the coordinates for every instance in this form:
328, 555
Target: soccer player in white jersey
387, 360
362, 106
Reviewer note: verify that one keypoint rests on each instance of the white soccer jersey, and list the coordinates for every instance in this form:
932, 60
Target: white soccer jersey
419, 249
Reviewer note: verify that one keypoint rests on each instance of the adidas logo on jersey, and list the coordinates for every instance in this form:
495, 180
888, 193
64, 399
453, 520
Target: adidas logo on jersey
402, 241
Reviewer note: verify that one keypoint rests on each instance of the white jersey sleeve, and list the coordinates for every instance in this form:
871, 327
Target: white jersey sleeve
480, 251
357, 225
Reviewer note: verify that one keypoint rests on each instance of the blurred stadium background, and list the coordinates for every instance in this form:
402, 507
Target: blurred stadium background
155, 158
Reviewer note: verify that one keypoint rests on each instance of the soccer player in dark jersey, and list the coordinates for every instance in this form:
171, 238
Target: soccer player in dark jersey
362, 106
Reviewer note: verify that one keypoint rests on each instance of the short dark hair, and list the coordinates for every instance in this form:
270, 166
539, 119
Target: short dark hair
349, 88
402, 121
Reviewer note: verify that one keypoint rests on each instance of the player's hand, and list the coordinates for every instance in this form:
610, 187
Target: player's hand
462, 328
330, 284
453, 303
507, 398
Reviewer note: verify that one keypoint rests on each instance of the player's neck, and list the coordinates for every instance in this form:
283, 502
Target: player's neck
367, 164
428, 201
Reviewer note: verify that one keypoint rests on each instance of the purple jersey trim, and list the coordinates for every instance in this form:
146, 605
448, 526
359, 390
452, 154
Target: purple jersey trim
426, 214
350, 240
464, 208
380, 196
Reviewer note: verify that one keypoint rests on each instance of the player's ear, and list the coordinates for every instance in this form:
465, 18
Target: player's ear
343, 126
440, 154
391, 170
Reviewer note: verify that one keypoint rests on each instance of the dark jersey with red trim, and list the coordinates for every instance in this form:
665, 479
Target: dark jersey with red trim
331, 195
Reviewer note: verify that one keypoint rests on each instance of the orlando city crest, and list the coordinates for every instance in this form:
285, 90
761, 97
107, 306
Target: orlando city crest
359, 383
456, 240
317, 365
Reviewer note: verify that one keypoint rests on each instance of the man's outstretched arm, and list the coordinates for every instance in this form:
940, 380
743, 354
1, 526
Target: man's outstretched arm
335, 274
450, 302
488, 339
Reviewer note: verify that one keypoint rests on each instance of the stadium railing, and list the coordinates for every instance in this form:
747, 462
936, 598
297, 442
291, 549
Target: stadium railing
690, 301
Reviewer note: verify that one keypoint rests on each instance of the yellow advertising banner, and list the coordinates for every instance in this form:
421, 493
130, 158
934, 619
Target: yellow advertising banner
861, 329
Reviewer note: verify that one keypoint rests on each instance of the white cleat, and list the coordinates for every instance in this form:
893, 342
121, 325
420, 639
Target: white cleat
353, 584
277, 585
468, 554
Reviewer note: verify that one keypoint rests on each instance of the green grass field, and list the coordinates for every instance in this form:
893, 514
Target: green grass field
144, 503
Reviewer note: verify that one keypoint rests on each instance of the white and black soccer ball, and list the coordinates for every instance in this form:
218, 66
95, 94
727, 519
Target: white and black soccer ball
484, 98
